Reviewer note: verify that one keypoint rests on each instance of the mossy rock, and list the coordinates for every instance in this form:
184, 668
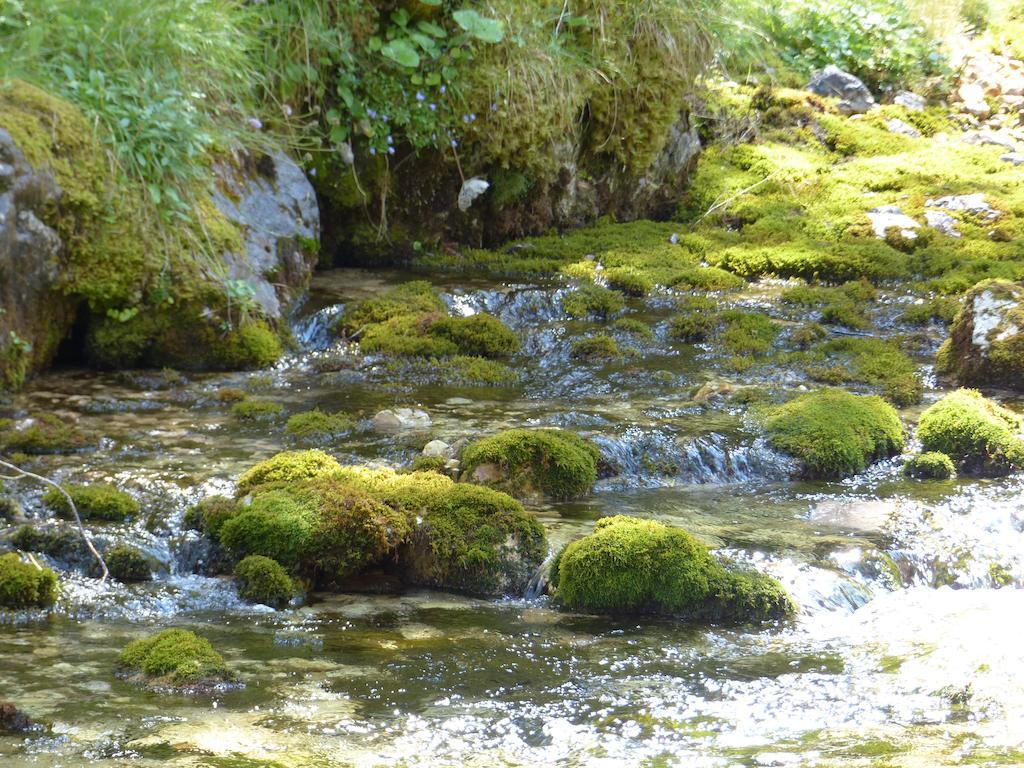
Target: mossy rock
98, 501
437, 336
600, 347
874, 362
628, 565
986, 344
634, 327
592, 301
981, 438
931, 465
479, 335
628, 280
833, 433
61, 541
231, 395
256, 410
41, 433
128, 564
412, 298
210, 514
23, 585
558, 464
276, 525
175, 660
262, 580
316, 426
287, 467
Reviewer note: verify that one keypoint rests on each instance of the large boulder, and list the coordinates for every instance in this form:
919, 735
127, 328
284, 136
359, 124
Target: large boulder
986, 344
854, 97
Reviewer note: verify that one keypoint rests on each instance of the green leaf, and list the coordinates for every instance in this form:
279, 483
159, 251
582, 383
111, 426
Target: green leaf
401, 52
431, 28
485, 30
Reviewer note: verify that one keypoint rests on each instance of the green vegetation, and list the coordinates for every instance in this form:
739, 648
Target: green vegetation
628, 280
558, 464
317, 426
628, 565
256, 410
413, 298
128, 564
834, 433
998, 360
592, 301
262, 580
479, 335
634, 327
209, 515
977, 434
858, 360
41, 433
600, 347
286, 467
94, 502
745, 337
23, 585
931, 465
174, 658
274, 525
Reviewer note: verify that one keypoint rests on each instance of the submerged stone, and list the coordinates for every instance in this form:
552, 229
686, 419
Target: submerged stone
986, 344
834, 433
24, 585
629, 565
977, 434
398, 419
526, 462
175, 660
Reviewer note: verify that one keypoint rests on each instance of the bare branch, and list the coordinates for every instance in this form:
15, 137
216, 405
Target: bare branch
74, 510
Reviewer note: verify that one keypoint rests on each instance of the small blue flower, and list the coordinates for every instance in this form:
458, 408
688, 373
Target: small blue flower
444, 89
391, 150
372, 113
373, 150
465, 118
472, 117
455, 143
432, 106
390, 140
420, 96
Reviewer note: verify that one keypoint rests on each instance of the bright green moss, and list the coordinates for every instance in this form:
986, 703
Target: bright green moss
628, 280
555, 463
276, 525
429, 464
412, 298
747, 333
834, 433
256, 410
977, 434
174, 658
870, 361
22, 585
41, 433
262, 580
251, 346
286, 467
862, 137
127, 564
94, 502
476, 371
939, 308
479, 335
406, 336
592, 301
697, 321
930, 465
634, 327
596, 348
209, 515
317, 426
628, 565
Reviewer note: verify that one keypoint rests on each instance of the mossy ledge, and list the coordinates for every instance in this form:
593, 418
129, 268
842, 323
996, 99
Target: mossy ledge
833, 433
175, 661
530, 462
982, 438
633, 566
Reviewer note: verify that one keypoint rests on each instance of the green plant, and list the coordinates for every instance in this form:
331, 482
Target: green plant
23, 585
981, 437
174, 658
262, 580
94, 502
128, 564
930, 465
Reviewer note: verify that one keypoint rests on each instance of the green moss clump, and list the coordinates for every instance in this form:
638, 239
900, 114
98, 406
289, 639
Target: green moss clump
262, 580
598, 347
558, 464
628, 565
877, 363
628, 280
981, 437
930, 465
41, 433
256, 410
429, 464
592, 301
210, 514
94, 502
697, 321
834, 433
479, 335
634, 327
407, 336
62, 542
287, 467
316, 425
174, 658
231, 395
412, 298
22, 585
276, 525
127, 564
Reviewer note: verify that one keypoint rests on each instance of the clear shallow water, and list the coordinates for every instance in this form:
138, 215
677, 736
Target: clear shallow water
886, 664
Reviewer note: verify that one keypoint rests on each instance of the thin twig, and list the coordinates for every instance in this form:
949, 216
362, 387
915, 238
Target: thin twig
739, 194
74, 511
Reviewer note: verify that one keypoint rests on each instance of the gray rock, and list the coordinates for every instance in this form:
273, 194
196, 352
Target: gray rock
973, 205
895, 125
1017, 158
986, 346
399, 419
886, 217
437, 448
909, 100
275, 205
854, 97
942, 222
990, 138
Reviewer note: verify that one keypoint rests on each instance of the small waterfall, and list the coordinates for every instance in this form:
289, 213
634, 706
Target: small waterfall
313, 332
538, 584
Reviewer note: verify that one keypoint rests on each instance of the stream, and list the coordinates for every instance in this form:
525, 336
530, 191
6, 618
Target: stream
906, 650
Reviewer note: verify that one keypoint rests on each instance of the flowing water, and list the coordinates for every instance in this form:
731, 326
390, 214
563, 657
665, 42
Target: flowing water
906, 651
